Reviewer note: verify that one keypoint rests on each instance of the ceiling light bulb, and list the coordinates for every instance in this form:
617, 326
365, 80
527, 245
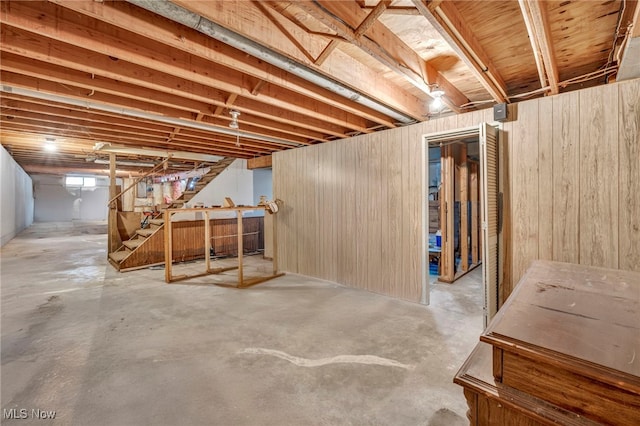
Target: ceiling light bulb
50, 147
437, 103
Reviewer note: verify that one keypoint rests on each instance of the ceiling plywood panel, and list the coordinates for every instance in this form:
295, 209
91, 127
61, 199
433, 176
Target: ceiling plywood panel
500, 29
583, 34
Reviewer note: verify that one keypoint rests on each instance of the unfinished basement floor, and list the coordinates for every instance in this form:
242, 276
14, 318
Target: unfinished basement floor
100, 347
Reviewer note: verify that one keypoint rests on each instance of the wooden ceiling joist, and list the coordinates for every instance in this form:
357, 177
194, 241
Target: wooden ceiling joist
337, 67
193, 100
67, 30
535, 17
334, 16
446, 19
341, 17
160, 30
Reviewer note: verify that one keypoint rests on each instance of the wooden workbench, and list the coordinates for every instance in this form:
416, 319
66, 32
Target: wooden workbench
564, 348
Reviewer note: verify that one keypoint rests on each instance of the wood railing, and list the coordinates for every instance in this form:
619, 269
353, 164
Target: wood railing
138, 180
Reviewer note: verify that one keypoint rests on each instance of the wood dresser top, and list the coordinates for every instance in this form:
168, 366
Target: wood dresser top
572, 311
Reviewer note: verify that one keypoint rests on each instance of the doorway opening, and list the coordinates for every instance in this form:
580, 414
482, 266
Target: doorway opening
461, 208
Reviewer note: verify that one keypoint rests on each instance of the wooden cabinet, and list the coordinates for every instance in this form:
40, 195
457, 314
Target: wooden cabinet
564, 349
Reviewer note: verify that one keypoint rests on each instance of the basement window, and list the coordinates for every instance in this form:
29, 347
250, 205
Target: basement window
79, 181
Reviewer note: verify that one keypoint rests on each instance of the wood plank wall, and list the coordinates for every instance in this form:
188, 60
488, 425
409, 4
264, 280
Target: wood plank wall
352, 209
574, 172
188, 241
571, 169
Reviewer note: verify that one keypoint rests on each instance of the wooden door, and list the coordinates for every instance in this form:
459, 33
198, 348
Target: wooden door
489, 208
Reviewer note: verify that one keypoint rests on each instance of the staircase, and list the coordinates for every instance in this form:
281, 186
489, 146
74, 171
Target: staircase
146, 247
201, 182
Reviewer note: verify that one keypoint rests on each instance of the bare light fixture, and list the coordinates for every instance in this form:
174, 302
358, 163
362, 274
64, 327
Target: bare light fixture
50, 145
437, 95
234, 124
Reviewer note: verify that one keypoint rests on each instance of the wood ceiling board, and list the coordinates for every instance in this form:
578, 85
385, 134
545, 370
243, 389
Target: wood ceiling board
260, 29
500, 29
420, 36
446, 18
382, 45
583, 34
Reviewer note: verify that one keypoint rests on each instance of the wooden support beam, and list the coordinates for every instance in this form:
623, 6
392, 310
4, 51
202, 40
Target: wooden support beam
256, 89
168, 246
240, 248
63, 170
324, 55
630, 20
535, 17
114, 237
453, 97
259, 162
628, 55
342, 22
291, 37
396, 10
447, 205
464, 208
474, 191
256, 26
341, 17
371, 18
446, 19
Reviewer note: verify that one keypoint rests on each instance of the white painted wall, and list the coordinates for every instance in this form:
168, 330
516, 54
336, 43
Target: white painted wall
262, 184
16, 198
236, 182
56, 203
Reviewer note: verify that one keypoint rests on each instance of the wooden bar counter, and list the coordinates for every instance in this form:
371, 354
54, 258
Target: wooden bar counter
564, 349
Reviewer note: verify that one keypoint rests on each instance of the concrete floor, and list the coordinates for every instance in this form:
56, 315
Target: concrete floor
100, 347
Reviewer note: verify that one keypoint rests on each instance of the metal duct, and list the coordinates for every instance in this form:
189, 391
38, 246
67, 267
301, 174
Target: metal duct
185, 17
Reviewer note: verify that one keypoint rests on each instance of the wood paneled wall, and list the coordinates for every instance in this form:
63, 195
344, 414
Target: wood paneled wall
352, 209
574, 173
188, 241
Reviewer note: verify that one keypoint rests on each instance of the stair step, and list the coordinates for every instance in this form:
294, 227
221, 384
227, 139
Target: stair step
190, 192
145, 232
156, 221
118, 256
178, 201
132, 244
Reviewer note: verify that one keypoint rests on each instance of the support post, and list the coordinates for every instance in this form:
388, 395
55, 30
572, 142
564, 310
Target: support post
475, 213
240, 247
447, 256
464, 209
274, 247
207, 241
168, 246
113, 240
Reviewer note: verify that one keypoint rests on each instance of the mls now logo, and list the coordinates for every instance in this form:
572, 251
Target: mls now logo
14, 413
23, 413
